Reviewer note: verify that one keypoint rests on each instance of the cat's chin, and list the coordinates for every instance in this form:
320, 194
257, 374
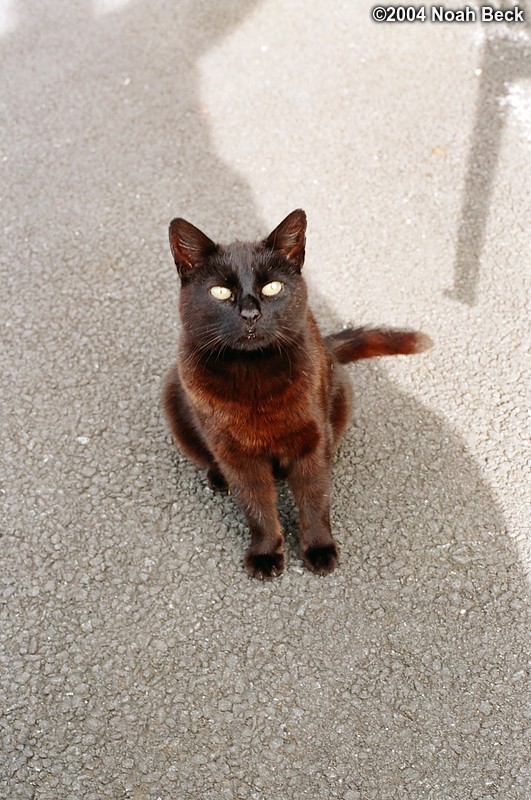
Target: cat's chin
253, 347
253, 341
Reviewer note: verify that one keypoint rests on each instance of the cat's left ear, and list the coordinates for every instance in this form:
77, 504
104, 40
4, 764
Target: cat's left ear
289, 238
189, 246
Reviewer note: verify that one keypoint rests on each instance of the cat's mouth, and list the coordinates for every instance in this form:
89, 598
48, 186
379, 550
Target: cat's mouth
251, 338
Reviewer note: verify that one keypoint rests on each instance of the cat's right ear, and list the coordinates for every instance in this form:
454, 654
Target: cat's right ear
189, 246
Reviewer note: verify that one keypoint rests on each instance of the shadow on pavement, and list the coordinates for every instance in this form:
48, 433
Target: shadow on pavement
506, 58
112, 134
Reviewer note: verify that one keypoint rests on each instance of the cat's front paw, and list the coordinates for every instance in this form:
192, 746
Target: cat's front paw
321, 560
264, 566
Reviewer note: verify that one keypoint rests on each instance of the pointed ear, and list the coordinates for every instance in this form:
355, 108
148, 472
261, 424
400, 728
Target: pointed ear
189, 245
289, 238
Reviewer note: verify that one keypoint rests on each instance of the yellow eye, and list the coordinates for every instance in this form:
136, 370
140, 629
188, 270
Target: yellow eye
220, 292
271, 289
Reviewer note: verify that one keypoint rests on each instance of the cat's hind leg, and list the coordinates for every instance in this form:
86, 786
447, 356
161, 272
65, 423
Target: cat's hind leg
186, 430
340, 405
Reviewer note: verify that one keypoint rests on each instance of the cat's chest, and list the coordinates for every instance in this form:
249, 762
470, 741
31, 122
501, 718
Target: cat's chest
259, 414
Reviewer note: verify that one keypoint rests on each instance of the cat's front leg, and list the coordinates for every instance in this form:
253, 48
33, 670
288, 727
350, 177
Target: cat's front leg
310, 482
252, 483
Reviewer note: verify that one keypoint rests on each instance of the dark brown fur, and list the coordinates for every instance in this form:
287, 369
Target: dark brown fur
271, 403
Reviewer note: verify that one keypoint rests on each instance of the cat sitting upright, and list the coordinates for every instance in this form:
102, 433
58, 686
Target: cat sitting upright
257, 392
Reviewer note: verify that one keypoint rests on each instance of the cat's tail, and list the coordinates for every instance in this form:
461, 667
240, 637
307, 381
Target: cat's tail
353, 344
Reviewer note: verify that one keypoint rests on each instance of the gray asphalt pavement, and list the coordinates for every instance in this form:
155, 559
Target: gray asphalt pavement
138, 660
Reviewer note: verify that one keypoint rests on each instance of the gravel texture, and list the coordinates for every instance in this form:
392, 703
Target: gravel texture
138, 660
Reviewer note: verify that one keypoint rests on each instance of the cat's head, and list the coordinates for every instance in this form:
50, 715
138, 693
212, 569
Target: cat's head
243, 296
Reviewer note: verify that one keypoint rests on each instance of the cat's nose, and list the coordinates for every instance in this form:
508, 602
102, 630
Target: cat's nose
249, 310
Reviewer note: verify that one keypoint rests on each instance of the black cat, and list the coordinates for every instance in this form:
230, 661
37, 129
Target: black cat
256, 391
